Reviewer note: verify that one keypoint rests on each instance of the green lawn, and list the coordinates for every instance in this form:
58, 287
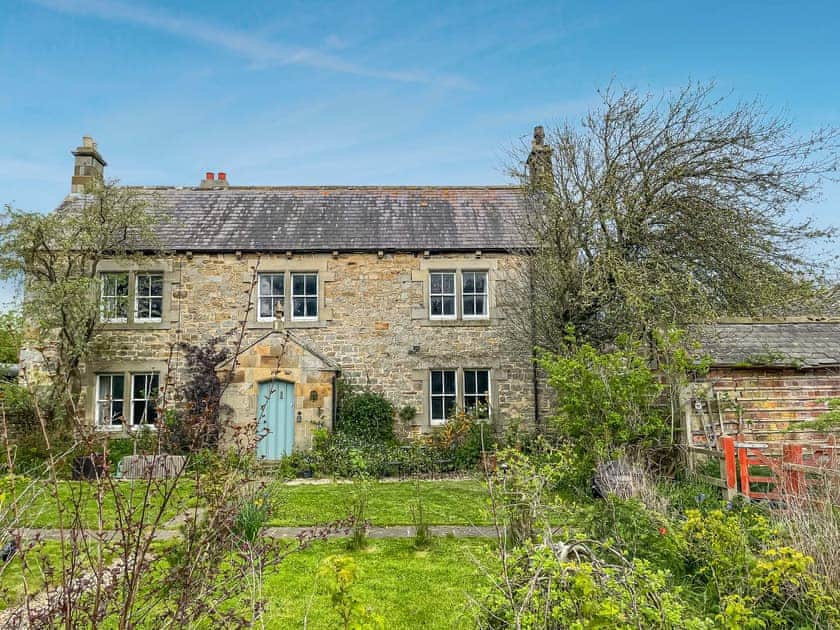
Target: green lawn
38, 505
445, 503
408, 588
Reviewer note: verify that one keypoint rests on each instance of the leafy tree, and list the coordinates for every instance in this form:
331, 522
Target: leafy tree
661, 211
57, 256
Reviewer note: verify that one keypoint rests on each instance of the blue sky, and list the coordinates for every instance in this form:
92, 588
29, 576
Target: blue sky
368, 93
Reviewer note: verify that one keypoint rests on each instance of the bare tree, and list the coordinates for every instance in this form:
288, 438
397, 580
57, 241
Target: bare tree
663, 210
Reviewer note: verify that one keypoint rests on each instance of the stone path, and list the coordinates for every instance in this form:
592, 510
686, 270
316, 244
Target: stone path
398, 531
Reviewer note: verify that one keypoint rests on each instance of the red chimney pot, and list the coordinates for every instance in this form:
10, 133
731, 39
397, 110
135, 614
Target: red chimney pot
210, 175
222, 176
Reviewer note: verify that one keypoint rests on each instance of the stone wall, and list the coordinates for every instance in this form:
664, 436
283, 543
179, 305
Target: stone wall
373, 322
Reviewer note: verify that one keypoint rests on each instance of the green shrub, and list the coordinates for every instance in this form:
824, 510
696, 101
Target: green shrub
365, 415
461, 440
640, 533
340, 455
749, 579
577, 587
607, 403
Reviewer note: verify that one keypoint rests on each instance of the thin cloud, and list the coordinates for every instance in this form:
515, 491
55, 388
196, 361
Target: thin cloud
259, 51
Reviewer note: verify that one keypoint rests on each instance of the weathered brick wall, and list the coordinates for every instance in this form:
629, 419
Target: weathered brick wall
766, 405
372, 318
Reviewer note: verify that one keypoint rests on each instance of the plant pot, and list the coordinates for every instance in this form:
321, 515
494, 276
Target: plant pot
88, 467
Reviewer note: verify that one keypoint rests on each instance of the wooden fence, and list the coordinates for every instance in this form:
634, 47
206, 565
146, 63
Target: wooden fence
749, 470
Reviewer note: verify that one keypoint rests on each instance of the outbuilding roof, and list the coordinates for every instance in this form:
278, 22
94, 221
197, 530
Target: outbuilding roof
803, 343
356, 218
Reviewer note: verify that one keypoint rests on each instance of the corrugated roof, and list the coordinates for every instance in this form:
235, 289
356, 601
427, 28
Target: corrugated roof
337, 218
805, 344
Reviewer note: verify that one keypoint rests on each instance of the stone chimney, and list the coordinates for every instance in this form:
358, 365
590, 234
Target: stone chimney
540, 170
89, 166
214, 180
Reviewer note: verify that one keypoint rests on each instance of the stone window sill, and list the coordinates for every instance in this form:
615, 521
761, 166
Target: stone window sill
136, 326
287, 325
457, 322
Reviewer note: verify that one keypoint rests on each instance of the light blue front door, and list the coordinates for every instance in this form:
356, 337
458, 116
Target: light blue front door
276, 419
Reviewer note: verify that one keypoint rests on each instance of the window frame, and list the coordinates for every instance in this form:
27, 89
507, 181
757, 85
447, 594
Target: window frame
488, 395
131, 273
98, 420
453, 295
305, 296
149, 398
137, 297
474, 294
103, 297
444, 395
273, 296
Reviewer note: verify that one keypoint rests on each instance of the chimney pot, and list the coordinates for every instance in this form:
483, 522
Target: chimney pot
222, 176
209, 175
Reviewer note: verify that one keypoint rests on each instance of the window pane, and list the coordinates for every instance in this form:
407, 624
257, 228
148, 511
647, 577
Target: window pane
449, 409
266, 307
117, 386
311, 307
298, 283
138, 386
311, 284
435, 283
480, 305
469, 382
116, 412
121, 284
437, 409
481, 282
449, 381
448, 305
156, 307
449, 283
469, 282
139, 412
437, 382
143, 284
157, 285
265, 284
483, 378
298, 307
277, 284
437, 306
469, 305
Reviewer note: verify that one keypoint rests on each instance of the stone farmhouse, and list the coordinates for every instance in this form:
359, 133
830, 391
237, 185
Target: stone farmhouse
403, 289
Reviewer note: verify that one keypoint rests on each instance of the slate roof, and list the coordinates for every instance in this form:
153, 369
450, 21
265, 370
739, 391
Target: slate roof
355, 218
805, 344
